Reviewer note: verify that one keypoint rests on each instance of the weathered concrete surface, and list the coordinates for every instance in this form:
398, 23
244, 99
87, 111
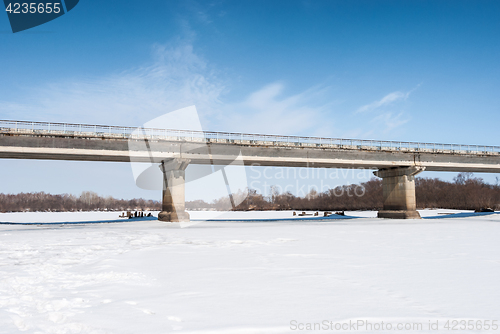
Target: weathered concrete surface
398, 186
173, 207
66, 147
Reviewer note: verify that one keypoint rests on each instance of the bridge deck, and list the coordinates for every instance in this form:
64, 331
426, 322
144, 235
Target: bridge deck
63, 141
121, 132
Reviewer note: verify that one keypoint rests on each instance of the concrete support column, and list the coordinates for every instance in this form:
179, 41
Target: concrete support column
399, 192
173, 207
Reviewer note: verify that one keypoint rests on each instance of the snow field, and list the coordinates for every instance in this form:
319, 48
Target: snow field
245, 277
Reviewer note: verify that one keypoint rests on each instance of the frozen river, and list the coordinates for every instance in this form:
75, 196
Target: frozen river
247, 277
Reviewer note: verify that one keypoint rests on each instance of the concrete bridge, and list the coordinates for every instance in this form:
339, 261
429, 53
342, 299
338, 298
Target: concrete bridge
396, 163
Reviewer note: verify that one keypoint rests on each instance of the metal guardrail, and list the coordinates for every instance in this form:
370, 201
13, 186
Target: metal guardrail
238, 138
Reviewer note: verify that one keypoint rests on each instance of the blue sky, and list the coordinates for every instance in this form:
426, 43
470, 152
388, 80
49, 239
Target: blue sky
397, 70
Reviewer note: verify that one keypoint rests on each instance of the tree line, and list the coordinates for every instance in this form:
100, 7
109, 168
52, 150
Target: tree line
465, 192
87, 201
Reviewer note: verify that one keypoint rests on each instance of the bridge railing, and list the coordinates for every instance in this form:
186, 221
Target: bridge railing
237, 138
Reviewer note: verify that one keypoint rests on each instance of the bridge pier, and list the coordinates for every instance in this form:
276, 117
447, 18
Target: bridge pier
398, 186
173, 206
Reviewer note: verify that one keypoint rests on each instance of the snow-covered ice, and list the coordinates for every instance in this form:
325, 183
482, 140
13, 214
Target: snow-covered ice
245, 277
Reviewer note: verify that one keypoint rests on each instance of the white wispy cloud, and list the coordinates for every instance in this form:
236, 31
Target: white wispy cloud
175, 78
384, 116
385, 101
389, 121
268, 110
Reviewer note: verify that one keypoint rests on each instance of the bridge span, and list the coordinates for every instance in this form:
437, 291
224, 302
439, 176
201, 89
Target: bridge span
395, 162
